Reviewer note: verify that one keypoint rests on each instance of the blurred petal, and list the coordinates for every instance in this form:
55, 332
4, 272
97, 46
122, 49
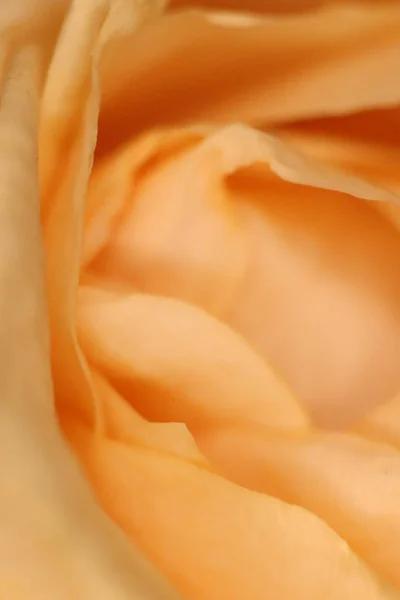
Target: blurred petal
189, 67
260, 6
177, 363
218, 540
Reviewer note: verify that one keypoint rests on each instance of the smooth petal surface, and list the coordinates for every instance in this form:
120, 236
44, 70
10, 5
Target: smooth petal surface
289, 253
219, 271
55, 541
383, 423
365, 144
176, 363
216, 539
121, 422
351, 483
69, 114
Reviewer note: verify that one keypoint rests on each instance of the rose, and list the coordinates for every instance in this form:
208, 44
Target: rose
157, 314
175, 363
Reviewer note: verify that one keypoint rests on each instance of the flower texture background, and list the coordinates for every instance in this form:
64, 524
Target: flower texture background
216, 186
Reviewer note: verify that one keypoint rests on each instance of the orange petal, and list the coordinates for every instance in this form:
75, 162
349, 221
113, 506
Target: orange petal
216, 539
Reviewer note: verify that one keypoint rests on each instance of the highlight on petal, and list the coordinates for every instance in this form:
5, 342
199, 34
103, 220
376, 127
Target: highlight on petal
290, 253
185, 67
215, 539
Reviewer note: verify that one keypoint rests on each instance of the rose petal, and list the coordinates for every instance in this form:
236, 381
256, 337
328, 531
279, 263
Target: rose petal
70, 109
308, 273
365, 144
123, 423
177, 363
259, 6
185, 68
174, 233
67, 518
216, 539
383, 423
351, 483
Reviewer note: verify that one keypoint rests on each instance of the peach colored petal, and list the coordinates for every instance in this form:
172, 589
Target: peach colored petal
68, 132
282, 248
324, 272
365, 144
186, 68
351, 483
55, 542
123, 423
173, 234
383, 423
261, 6
177, 363
113, 179
257, 6
218, 540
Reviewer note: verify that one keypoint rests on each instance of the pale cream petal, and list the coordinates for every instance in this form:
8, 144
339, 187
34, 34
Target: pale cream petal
186, 68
